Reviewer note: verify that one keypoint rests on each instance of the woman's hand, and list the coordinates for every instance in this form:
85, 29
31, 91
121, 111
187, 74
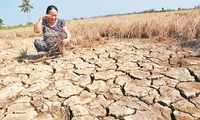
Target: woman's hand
46, 16
38, 25
66, 42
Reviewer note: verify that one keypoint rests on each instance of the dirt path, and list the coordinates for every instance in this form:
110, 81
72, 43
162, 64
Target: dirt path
125, 80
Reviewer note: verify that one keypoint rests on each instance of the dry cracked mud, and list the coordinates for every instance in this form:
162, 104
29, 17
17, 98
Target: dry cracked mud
124, 80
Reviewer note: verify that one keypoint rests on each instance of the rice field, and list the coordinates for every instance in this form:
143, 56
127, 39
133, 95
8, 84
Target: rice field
183, 25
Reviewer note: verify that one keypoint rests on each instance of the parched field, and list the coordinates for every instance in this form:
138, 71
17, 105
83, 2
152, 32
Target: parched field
130, 67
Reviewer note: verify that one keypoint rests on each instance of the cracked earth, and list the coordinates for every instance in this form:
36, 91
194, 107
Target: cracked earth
125, 80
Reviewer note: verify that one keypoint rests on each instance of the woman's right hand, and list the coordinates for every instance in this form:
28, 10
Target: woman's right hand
46, 16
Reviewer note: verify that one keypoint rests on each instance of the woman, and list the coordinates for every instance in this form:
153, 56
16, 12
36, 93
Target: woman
55, 33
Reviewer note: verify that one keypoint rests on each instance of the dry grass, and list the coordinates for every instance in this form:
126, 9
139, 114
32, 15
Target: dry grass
19, 32
23, 52
177, 24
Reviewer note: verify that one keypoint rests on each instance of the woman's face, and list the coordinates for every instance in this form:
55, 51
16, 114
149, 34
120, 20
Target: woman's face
52, 15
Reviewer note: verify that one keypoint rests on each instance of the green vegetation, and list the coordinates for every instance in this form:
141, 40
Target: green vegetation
1, 22
29, 24
26, 7
145, 11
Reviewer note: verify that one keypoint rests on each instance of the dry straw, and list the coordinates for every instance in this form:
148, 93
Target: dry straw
182, 25
178, 24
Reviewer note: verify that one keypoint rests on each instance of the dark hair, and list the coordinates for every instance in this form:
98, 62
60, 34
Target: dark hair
50, 7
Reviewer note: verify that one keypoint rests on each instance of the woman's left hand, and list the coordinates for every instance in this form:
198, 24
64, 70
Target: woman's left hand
66, 42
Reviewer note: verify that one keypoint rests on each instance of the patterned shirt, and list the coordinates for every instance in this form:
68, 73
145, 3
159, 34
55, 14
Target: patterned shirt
52, 33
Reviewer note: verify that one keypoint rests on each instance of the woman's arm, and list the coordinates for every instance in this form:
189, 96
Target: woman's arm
66, 31
38, 26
